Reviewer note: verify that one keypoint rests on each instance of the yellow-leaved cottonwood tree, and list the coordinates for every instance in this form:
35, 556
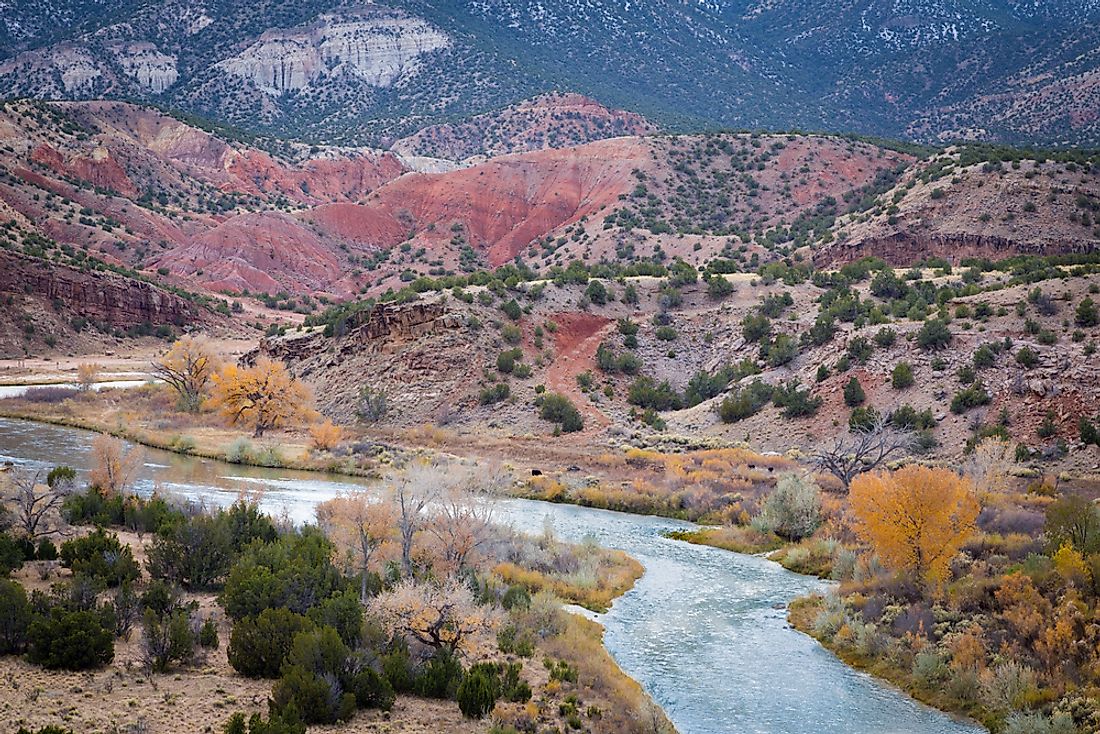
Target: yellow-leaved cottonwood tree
916, 518
188, 368
263, 396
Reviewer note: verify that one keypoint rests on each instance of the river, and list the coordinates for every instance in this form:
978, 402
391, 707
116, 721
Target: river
704, 630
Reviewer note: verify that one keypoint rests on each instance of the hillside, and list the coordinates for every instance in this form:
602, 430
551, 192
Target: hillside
547, 121
656, 358
354, 73
213, 212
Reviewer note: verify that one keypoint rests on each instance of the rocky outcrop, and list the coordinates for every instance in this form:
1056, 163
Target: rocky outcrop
376, 46
385, 327
98, 296
154, 70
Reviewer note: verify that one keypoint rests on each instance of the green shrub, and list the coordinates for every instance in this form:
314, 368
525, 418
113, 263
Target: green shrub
440, 676
755, 327
275, 724
985, 356
902, 376
476, 694
1027, 357
372, 404
512, 309
1086, 314
558, 408
665, 333
780, 351
885, 337
208, 634
934, 335
69, 640
511, 333
167, 639
100, 556
313, 676
853, 392
718, 287
397, 668
495, 394
196, 553
506, 360
596, 292
317, 699
372, 690
970, 397
516, 597
863, 419
11, 554
294, 572
860, 350
645, 392
258, 645
15, 616
795, 401
47, 551
792, 510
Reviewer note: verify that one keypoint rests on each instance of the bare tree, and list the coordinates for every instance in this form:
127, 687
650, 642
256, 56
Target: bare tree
412, 493
441, 616
35, 496
461, 525
852, 454
114, 466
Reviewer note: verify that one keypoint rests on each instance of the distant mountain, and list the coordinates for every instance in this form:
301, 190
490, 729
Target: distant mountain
364, 73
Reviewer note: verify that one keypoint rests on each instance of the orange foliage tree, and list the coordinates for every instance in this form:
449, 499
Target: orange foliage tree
361, 527
188, 367
325, 436
263, 396
915, 518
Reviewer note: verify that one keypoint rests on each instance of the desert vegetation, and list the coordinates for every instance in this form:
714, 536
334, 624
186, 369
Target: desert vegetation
393, 600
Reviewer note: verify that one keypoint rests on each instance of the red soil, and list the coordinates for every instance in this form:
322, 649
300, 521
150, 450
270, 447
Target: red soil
576, 340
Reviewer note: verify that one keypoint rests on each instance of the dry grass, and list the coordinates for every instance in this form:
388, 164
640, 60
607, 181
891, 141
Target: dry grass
147, 415
594, 586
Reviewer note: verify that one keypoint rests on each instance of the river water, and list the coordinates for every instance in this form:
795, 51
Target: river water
703, 630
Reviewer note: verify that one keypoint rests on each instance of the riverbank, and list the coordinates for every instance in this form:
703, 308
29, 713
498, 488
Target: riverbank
657, 633
806, 615
144, 415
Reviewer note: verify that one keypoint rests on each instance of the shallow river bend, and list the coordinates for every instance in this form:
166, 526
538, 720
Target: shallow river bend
704, 630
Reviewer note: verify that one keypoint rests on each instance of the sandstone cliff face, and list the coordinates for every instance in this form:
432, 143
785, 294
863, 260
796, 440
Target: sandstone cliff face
97, 296
903, 249
420, 354
154, 70
376, 46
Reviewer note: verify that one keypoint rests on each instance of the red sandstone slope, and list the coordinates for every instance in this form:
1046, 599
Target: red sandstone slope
141, 189
546, 121
500, 205
259, 252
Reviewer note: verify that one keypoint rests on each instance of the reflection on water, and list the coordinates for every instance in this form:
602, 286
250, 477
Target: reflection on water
704, 630
15, 391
